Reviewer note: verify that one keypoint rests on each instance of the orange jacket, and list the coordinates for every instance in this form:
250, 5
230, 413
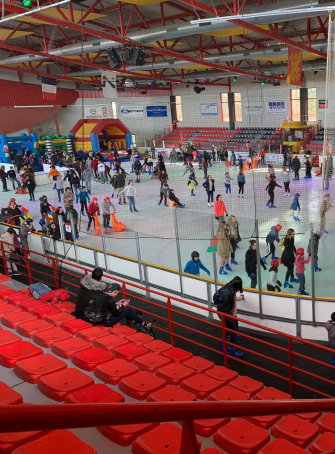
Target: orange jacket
53, 173
220, 209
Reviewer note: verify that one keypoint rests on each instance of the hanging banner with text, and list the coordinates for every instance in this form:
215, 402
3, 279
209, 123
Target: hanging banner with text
108, 83
322, 106
96, 112
157, 111
209, 109
276, 107
253, 109
294, 67
132, 111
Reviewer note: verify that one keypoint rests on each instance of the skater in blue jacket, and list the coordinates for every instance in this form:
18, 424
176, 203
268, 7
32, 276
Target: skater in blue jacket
83, 197
194, 265
296, 207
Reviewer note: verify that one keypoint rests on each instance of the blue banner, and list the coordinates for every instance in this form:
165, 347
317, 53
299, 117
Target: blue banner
157, 111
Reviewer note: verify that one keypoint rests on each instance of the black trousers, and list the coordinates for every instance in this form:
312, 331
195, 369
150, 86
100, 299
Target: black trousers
233, 243
83, 206
271, 250
287, 186
90, 219
289, 272
272, 196
106, 219
31, 194
241, 188
210, 196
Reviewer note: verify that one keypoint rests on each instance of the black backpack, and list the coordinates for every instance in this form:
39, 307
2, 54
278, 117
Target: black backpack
218, 293
222, 305
93, 311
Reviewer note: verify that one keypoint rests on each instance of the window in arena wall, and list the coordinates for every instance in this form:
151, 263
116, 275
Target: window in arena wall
295, 105
311, 104
238, 107
224, 108
179, 111
114, 111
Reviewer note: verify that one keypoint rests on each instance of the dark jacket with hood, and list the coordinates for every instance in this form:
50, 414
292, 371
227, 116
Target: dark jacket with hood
90, 297
272, 235
251, 261
288, 256
119, 181
296, 164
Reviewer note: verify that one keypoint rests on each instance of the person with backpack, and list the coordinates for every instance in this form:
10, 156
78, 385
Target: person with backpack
272, 236
273, 283
225, 300
90, 297
251, 263
300, 263
193, 266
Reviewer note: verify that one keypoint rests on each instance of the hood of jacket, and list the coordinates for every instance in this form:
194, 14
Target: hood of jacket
91, 284
7, 237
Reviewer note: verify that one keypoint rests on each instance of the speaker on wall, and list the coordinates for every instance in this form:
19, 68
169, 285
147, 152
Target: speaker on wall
113, 58
137, 57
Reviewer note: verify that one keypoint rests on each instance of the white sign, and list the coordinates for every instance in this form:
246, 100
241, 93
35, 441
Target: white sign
96, 112
132, 111
253, 109
276, 107
108, 83
209, 109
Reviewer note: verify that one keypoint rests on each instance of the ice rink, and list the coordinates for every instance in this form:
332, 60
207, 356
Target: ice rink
158, 226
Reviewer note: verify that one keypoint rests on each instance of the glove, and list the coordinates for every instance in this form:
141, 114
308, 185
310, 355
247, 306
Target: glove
278, 289
265, 268
279, 283
227, 214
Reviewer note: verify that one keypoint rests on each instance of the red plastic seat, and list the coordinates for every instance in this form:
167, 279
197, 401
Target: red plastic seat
59, 318
326, 423
7, 337
271, 394
295, 430
18, 298
151, 362
264, 421
29, 304
2, 301
122, 330
73, 326
12, 353
165, 438
158, 346
4, 278
32, 369
56, 442
310, 417
91, 358
110, 342
125, 435
207, 427
44, 311
67, 306
174, 373
114, 371
177, 355
8, 309
222, 374
47, 338
13, 320
98, 393
93, 333
8, 396
324, 443
11, 442
198, 364
240, 436
7, 292
247, 385
172, 394
140, 338
25, 291
60, 384
281, 446
3, 287
140, 385
68, 347
201, 385
228, 393
211, 451
30, 328
129, 351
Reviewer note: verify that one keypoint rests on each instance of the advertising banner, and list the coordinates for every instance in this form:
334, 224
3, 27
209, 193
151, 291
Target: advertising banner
96, 112
157, 111
209, 109
132, 111
276, 107
253, 108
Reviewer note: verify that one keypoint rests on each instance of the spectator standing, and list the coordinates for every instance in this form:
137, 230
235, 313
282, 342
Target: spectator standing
68, 199
251, 263
11, 174
8, 237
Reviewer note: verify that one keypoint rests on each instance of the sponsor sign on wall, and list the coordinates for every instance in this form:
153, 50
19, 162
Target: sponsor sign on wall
209, 109
322, 106
253, 108
132, 111
276, 107
96, 112
157, 111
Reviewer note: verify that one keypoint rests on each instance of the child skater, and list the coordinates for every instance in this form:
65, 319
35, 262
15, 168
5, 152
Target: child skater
286, 179
192, 184
271, 188
210, 189
295, 206
273, 283
300, 268
227, 180
106, 210
175, 200
164, 192
271, 171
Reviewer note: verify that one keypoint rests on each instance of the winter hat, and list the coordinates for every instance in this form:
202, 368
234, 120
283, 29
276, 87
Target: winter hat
195, 254
300, 251
278, 227
12, 200
275, 263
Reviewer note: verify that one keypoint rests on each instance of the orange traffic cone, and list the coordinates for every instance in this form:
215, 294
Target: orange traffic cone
97, 230
228, 163
117, 226
255, 163
246, 165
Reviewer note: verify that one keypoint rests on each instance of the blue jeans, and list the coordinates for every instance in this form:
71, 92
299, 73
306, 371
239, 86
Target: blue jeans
253, 277
17, 181
128, 313
75, 190
228, 188
59, 192
301, 279
131, 201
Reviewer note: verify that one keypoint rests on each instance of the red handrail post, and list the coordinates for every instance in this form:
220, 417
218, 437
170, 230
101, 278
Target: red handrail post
224, 346
54, 266
189, 442
290, 362
173, 343
4, 259
124, 291
30, 276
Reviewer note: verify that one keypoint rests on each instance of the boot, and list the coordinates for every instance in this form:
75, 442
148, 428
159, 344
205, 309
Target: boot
136, 211
221, 271
273, 206
303, 293
316, 268
286, 284
124, 202
228, 268
159, 202
293, 280
120, 202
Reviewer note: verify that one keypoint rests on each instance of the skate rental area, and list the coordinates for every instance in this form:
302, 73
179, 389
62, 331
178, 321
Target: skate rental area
167, 225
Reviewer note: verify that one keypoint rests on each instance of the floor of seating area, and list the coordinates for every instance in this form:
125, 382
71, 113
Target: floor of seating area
46, 356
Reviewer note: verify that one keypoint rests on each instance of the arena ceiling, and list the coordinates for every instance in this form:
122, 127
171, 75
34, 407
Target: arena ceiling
70, 42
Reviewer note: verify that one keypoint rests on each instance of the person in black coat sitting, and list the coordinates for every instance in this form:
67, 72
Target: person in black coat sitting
251, 263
